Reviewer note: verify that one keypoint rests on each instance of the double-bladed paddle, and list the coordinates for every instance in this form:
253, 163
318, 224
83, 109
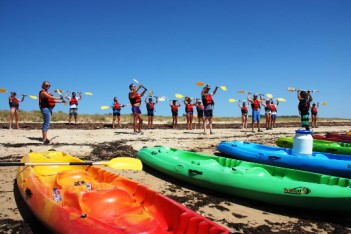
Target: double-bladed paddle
120, 163
200, 83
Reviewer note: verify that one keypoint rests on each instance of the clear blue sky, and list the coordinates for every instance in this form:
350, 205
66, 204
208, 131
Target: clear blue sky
100, 46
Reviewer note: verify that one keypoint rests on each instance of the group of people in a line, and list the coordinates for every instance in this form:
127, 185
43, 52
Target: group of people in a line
204, 108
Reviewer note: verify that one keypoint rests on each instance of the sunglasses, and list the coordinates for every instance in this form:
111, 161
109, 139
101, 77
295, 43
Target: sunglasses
47, 85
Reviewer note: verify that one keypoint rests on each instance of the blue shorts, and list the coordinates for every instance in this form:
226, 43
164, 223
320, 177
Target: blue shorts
136, 110
208, 113
150, 113
256, 116
116, 113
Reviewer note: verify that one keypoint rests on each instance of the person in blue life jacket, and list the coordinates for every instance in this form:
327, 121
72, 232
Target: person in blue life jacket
150, 107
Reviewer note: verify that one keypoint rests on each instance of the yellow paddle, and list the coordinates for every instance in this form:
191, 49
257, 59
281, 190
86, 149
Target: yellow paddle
59, 92
178, 95
200, 83
232, 100
241, 91
3, 90
269, 95
120, 163
323, 103
31, 96
105, 107
281, 99
87, 93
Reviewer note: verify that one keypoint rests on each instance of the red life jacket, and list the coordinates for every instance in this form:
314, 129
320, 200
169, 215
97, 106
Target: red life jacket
244, 110
135, 99
14, 102
73, 101
314, 110
116, 106
255, 104
199, 108
207, 99
150, 106
189, 108
174, 108
273, 108
46, 102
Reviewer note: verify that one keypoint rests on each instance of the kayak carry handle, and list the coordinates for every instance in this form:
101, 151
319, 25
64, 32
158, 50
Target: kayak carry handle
195, 172
274, 158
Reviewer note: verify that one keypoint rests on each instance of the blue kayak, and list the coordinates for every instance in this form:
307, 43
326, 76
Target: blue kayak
325, 163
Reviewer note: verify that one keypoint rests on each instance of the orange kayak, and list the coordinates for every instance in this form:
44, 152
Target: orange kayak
94, 200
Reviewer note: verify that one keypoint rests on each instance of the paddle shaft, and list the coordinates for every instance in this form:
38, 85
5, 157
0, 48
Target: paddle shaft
10, 164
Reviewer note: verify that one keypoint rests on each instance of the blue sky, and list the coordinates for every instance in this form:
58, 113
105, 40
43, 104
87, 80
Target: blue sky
101, 46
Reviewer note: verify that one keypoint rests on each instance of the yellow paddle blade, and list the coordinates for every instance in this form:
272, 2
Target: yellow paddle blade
88, 93
269, 95
281, 99
291, 89
3, 90
224, 88
179, 95
200, 83
324, 103
151, 93
124, 163
105, 107
33, 97
241, 91
59, 91
232, 100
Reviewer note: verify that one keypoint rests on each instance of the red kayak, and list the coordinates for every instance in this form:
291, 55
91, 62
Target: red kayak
334, 137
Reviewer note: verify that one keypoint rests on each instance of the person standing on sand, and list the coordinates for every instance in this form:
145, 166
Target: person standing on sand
268, 113
174, 109
14, 108
150, 107
255, 106
73, 106
200, 113
274, 113
305, 100
46, 104
189, 110
116, 112
207, 100
244, 111
314, 111
135, 101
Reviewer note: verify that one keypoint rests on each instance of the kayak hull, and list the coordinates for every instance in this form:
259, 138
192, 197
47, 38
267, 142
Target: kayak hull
110, 204
325, 163
319, 145
265, 183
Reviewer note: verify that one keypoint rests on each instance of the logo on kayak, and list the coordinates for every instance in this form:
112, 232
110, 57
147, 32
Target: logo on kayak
298, 190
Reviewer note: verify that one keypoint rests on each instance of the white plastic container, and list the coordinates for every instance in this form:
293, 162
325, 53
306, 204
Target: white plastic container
303, 143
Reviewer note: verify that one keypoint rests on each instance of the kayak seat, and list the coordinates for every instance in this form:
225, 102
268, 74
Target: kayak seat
257, 171
69, 178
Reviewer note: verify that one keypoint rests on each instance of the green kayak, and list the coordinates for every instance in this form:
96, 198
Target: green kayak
319, 145
276, 185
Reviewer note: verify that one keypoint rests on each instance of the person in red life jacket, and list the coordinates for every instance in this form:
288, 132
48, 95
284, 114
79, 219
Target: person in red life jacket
255, 106
189, 110
314, 111
135, 101
273, 113
207, 100
14, 108
268, 113
150, 107
244, 111
116, 112
46, 104
200, 113
73, 106
174, 104
305, 100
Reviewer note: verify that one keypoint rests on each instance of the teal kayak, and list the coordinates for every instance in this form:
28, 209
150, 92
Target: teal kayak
319, 145
265, 183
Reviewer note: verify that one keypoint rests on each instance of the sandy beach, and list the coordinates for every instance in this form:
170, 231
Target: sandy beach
237, 214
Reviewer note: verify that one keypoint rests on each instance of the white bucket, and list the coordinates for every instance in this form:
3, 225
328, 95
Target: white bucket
303, 143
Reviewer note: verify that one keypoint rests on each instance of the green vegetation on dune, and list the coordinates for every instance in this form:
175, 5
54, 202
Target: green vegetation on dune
36, 117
